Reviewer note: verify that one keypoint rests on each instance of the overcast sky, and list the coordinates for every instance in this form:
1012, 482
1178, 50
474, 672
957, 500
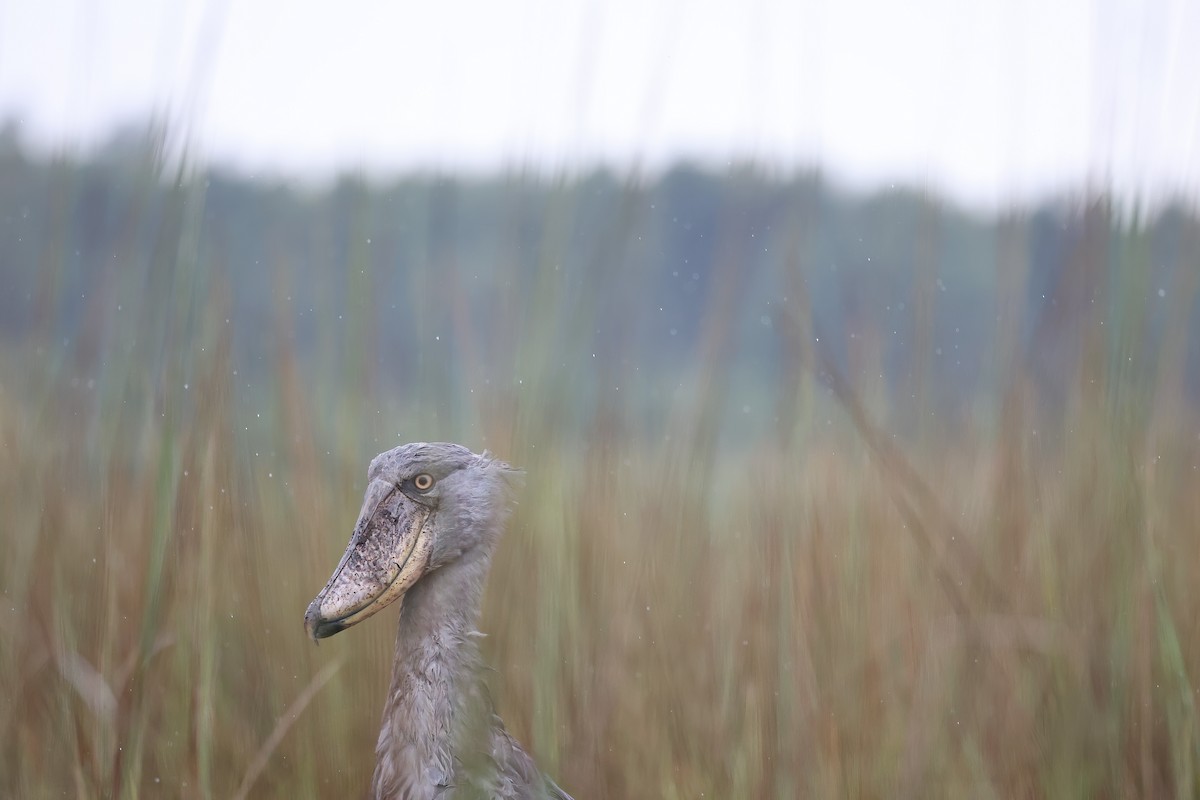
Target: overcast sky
990, 100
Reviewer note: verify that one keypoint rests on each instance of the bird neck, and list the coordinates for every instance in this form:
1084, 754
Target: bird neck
436, 699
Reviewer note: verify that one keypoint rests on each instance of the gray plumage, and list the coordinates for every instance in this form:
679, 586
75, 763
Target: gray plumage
429, 547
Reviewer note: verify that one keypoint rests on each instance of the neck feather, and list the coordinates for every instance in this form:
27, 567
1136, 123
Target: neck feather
436, 700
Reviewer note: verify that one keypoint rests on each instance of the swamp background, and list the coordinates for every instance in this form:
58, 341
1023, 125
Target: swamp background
829, 493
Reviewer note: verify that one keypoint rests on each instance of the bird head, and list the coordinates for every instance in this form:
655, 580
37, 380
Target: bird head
426, 506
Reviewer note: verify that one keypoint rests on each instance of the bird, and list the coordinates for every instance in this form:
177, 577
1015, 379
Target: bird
431, 517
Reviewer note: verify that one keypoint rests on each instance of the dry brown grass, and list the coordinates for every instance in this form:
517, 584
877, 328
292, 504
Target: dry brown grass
986, 608
774, 628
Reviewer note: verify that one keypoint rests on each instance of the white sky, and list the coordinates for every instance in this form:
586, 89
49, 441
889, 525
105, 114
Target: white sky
991, 100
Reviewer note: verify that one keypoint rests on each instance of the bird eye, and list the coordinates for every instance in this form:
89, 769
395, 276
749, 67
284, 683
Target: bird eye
423, 482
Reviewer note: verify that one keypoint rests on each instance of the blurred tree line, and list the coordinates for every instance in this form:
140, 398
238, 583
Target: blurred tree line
649, 279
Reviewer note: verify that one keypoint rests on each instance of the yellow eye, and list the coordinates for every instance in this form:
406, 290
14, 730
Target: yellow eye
423, 482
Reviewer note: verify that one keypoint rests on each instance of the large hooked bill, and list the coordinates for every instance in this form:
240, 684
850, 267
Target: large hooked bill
388, 552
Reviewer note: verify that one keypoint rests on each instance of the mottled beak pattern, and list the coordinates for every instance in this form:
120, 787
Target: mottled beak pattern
387, 554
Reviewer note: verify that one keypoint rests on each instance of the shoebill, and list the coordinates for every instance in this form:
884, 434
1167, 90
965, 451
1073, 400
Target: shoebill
430, 520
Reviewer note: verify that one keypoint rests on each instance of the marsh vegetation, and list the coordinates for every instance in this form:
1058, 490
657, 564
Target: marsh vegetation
826, 495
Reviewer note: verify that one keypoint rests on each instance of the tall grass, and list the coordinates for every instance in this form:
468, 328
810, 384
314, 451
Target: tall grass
1001, 607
